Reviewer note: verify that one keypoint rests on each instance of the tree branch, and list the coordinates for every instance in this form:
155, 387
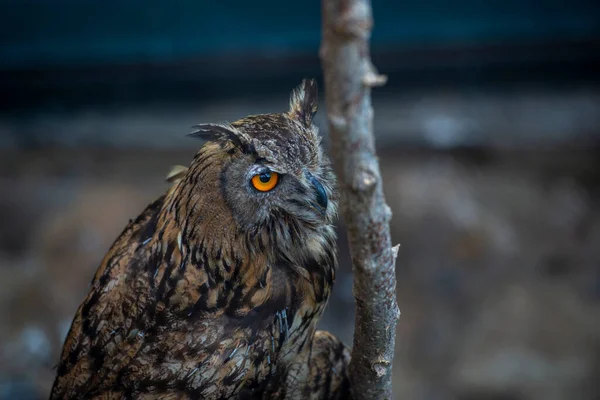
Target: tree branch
349, 76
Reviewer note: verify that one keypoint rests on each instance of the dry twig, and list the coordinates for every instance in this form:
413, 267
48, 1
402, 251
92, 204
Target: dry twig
349, 76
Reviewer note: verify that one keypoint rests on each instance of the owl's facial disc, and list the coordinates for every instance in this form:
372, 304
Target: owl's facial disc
300, 194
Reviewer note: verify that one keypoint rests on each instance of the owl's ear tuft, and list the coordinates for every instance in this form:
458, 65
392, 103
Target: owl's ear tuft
304, 102
223, 132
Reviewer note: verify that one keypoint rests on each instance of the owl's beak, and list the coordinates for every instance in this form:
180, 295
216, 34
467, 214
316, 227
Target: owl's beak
319, 190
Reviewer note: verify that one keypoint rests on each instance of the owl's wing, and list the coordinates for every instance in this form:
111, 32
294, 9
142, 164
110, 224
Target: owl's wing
320, 373
121, 341
105, 332
328, 378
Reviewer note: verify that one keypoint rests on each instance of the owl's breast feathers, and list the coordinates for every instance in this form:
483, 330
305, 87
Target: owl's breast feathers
183, 308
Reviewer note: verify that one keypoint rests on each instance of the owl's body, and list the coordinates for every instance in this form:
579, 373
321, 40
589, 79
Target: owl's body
214, 291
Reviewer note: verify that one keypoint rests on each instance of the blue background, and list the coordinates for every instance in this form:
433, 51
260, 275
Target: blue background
42, 33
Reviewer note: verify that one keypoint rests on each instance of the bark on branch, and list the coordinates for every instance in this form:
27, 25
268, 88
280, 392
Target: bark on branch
349, 76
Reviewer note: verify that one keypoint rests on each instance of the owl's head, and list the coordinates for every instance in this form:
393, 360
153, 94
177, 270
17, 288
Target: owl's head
269, 169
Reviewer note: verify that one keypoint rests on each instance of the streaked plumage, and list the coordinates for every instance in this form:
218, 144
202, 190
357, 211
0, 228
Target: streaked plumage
214, 291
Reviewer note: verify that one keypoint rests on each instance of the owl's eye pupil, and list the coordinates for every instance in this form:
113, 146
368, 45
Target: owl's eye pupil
265, 177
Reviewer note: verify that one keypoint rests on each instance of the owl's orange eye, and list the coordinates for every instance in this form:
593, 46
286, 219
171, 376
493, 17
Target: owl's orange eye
265, 181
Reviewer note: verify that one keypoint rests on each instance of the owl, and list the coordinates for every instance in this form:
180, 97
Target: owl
215, 290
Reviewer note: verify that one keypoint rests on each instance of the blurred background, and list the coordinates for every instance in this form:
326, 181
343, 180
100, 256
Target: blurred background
488, 132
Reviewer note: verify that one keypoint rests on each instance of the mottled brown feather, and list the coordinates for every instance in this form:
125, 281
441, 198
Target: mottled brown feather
214, 291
